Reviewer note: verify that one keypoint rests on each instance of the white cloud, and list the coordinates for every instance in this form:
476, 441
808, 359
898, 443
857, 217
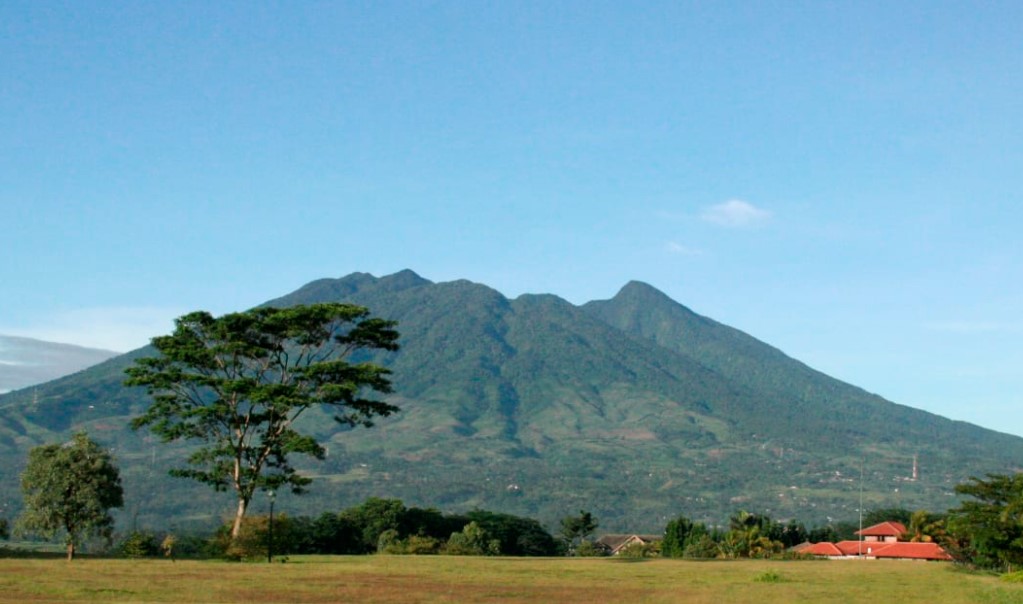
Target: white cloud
118, 328
735, 213
680, 250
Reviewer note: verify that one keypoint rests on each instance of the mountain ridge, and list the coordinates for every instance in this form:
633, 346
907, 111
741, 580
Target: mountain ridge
635, 407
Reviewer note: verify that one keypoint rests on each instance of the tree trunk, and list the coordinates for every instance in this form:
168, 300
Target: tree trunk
237, 526
70, 550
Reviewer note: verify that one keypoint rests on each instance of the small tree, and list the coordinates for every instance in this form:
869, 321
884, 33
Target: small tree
139, 544
575, 529
70, 488
679, 534
239, 382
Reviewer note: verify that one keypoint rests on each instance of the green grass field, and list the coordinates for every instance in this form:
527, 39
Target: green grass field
453, 579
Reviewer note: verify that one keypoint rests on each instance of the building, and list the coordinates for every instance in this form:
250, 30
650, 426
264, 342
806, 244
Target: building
879, 541
614, 544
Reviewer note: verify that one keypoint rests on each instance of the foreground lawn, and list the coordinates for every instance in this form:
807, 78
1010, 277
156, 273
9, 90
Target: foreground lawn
452, 579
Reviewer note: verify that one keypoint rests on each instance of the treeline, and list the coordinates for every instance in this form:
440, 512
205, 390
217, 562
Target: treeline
985, 531
748, 535
384, 526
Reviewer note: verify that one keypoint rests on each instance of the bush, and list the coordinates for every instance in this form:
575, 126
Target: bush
139, 544
197, 546
253, 540
702, 548
768, 576
472, 541
589, 549
415, 545
421, 545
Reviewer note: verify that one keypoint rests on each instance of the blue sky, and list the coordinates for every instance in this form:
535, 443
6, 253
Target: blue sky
841, 180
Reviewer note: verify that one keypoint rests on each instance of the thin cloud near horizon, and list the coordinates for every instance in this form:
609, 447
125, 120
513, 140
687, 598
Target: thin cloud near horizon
673, 247
117, 329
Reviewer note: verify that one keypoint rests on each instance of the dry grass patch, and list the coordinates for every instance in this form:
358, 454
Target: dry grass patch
407, 579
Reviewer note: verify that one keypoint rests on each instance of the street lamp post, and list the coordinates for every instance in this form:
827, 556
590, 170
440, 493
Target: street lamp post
270, 533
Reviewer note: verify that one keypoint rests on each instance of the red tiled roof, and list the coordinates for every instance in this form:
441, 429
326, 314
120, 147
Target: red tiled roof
915, 551
884, 529
877, 549
821, 549
853, 548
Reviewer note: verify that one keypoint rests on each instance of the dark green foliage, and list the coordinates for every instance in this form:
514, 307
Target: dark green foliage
588, 549
194, 546
575, 529
371, 519
792, 533
752, 535
328, 533
926, 527
680, 535
139, 544
703, 547
472, 540
516, 536
823, 533
239, 382
387, 526
70, 488
987, 530
5, 529
845, 530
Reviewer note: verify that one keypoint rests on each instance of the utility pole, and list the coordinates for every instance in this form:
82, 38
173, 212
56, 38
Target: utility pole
270, 529
861, 509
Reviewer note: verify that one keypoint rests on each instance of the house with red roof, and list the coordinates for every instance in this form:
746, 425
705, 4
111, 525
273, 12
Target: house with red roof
889, 532
878, 541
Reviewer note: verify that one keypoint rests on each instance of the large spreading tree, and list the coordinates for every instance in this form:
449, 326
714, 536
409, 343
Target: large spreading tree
70, 488
238, 383
987, 530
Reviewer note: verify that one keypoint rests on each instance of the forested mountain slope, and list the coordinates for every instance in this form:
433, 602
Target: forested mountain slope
635, 408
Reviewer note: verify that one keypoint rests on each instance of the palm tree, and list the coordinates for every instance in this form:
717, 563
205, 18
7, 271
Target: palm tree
924, 527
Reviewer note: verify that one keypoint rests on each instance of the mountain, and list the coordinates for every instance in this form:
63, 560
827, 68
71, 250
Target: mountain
25, 361
635, 408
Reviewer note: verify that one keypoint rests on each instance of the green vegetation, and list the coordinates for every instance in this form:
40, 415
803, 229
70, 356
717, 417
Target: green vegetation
576, 530
987, 530
239, 383
377, 525
634, 408
70, 488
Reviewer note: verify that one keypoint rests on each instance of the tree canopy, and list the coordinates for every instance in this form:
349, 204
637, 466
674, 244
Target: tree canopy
70, 488
575, 529
987, 530
239, 382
